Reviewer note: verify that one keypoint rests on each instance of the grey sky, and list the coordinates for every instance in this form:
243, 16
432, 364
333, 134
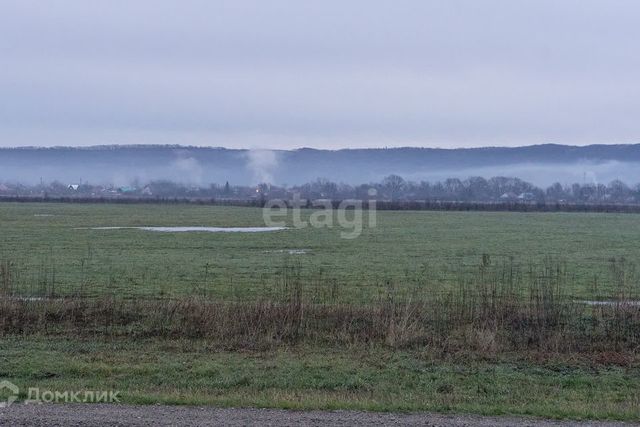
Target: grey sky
284, 74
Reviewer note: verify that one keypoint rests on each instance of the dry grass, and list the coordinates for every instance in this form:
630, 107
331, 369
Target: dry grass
500, 309
449, 325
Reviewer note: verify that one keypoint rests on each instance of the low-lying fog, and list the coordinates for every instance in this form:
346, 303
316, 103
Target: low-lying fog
543, 175
121, 166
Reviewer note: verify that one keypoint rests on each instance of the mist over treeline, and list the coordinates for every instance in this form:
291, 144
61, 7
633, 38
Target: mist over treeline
391, 188
541, 165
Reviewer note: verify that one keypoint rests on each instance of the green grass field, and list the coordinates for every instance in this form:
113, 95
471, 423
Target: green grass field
489, 352
48, 248
190, 372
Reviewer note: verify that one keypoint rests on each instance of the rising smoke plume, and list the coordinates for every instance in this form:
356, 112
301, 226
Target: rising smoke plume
262, 164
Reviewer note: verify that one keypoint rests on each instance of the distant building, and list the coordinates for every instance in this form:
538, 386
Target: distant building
3, 188
126, 190
146, 191
527, 196
74, 187
509, 196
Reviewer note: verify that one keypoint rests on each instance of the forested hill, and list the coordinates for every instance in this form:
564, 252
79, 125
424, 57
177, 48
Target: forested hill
540, 164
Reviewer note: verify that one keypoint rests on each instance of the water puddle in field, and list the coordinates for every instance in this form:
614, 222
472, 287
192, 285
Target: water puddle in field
289, 251
193, 229
43, 215
632, 303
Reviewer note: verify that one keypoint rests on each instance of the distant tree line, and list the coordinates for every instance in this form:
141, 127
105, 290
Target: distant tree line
392, 189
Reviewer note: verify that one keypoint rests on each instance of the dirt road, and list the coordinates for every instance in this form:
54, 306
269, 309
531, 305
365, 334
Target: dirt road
127, 415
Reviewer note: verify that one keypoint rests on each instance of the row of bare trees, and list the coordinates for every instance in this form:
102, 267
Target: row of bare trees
393, 187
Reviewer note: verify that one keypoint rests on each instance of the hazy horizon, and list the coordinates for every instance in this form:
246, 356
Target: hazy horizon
541, 165
240, 148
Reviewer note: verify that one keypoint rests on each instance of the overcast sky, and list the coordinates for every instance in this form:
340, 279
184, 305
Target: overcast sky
326, 73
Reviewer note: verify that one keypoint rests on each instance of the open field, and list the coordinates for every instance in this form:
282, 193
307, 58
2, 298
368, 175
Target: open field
48, 250
192, 372
427, 311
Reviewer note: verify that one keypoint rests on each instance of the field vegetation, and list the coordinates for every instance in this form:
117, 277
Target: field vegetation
520, 313
50, 250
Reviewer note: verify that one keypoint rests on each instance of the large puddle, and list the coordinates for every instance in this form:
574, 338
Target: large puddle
194, 229
289, 251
